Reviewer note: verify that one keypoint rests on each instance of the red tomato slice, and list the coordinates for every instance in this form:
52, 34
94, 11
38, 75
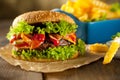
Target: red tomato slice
55, 38
40, 37
31, 41
35, 44
55, 41
37, 40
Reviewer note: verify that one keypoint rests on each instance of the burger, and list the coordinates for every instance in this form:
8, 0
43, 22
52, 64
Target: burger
44, 36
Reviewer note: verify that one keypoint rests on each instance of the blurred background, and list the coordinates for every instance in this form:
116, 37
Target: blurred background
9, 9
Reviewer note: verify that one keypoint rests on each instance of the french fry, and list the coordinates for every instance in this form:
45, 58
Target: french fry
86, 10
98, 48
100, 4
112, 51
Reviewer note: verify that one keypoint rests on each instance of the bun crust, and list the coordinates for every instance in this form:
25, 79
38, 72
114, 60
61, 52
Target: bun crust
43, 60
41, 16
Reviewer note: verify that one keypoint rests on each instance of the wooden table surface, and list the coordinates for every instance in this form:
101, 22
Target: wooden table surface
93, 71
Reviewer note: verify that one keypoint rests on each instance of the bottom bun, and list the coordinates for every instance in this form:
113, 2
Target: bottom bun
43, 60
47, 67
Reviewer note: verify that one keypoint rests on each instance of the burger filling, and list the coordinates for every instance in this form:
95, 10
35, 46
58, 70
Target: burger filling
51, 40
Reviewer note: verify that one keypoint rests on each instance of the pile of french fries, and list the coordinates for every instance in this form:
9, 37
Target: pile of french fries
89, 10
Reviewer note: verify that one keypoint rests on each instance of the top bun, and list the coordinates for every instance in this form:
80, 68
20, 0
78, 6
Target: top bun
41, 16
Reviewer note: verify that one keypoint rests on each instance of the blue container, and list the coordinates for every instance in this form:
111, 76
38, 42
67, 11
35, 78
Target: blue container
102, 31
95, 32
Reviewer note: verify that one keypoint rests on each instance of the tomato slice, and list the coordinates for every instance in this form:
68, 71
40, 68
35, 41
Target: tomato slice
55, 41
71, 37
37, 40
35, 44
30, 41
55, 38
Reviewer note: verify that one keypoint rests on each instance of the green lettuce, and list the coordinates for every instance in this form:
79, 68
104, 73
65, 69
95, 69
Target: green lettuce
61, 27
21, 27
80, 45
57, 53
101, 18
115, 7
116, 35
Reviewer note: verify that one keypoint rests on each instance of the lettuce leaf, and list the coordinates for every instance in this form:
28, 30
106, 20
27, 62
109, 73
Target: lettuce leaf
80, 46
21, 27
116, 35
101, 18
61, 27
57, 53
115, 7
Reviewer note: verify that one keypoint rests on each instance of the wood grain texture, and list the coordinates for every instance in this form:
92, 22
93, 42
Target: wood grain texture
94, 71
9, 72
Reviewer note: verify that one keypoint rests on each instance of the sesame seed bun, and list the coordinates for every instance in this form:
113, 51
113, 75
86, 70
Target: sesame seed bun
41, 16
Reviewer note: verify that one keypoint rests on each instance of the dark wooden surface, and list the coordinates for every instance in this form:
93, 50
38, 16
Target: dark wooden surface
7, 71
93, 71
